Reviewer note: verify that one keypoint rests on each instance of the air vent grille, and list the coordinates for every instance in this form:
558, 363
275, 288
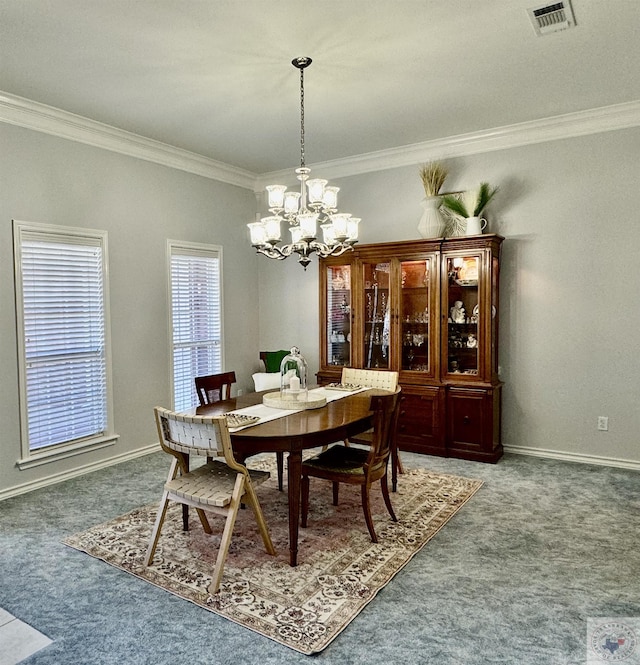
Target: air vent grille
552, 18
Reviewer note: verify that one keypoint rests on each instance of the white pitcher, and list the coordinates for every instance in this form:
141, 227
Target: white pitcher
475, 226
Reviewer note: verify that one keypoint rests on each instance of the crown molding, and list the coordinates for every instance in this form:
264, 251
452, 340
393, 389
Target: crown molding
581, 123
49, 120
40, 117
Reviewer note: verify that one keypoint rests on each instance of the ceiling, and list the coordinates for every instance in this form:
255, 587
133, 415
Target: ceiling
214, 76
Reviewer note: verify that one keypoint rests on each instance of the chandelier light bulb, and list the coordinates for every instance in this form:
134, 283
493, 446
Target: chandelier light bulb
291, 203
316, 190
352, 229
258, 234
272, 228
276, 196
330, 197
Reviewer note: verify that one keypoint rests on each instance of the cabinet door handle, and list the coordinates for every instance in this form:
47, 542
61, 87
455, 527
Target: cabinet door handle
466, 420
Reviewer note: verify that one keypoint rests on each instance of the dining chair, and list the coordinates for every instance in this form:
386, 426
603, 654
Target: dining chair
385, 380
218, 487
358, 466
371, 378
214, 387
217, 387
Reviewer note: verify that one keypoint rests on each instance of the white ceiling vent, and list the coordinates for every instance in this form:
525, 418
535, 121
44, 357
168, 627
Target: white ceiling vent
552, 18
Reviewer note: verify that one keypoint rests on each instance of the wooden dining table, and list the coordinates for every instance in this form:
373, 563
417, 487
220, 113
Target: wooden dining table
293, 433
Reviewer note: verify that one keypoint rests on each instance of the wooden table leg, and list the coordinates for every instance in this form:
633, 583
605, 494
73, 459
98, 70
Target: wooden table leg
294, 473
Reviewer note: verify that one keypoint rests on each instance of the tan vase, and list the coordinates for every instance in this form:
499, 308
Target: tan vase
432, 223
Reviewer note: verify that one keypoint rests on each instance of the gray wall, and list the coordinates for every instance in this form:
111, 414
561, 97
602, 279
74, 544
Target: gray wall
570, 285
140, 205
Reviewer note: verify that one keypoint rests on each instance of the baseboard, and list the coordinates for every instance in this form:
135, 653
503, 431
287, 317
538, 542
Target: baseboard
155, 447
574, 457
79, 471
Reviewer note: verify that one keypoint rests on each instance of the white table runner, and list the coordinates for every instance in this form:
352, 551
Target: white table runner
267, 413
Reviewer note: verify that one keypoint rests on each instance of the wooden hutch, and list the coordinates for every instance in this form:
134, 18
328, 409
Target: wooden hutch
429, 310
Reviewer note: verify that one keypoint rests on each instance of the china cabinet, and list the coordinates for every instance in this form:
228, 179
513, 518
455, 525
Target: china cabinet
429, 310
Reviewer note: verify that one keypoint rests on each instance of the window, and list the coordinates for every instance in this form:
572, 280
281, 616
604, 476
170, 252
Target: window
63, 340
196, 315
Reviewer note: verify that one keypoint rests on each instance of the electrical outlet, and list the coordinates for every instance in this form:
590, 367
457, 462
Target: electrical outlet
603, 423
240, 392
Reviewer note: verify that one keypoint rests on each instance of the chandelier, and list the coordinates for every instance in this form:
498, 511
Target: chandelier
315, 203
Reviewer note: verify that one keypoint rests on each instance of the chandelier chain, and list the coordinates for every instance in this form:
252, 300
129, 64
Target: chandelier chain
302, 157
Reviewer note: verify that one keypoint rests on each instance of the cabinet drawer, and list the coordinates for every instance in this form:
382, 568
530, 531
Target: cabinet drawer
419, 420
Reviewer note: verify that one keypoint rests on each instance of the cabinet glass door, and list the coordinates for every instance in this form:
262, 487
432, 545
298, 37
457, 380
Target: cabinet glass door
376, 315
414, 315
463, 315
338, 304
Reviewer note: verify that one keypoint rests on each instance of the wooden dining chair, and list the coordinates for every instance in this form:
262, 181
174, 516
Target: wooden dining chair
217, 387
214, 387
384, 380
218, 487
358, 466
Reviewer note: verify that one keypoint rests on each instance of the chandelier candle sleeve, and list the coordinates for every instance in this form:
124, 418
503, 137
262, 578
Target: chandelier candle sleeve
315, 203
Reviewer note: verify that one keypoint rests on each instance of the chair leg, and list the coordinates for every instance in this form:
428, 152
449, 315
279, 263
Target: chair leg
252, 499
387, 499
366, 508
225, 541
185, 517
304, 508
396, 468
336, 491
157, 528
203, 520
280, 463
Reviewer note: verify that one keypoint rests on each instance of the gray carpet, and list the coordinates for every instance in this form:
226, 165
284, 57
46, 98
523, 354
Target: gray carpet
511, 579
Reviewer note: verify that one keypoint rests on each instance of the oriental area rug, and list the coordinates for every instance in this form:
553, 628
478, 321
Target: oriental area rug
339, 572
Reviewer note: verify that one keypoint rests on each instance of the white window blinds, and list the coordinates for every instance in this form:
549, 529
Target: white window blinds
62, 307
196, 310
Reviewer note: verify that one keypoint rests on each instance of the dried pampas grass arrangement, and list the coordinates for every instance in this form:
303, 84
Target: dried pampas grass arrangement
433, 176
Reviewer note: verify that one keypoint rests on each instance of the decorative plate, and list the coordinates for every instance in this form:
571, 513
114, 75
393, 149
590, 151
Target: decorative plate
347, 387
240, 420
466, 282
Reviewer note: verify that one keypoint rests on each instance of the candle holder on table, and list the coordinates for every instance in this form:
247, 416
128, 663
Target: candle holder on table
294, 393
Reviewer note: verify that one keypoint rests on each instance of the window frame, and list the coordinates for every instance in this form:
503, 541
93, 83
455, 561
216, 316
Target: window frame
23, 231
176, 247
